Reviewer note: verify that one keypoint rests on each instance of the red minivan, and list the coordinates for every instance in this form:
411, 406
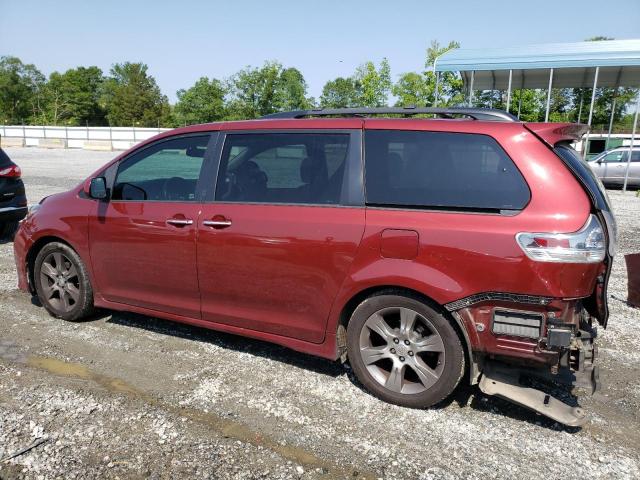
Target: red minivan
422, 249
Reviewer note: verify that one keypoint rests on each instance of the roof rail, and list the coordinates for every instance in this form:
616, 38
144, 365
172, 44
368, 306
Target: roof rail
488, 114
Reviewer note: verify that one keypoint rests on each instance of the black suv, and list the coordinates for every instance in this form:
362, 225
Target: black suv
13, 201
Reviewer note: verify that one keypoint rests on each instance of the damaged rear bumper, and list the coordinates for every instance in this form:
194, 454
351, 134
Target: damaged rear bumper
544, 339
576, 368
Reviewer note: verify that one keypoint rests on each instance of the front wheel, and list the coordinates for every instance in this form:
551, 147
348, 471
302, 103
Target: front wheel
62, 282
403, 351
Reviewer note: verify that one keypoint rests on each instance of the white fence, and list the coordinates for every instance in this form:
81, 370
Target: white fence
92, 138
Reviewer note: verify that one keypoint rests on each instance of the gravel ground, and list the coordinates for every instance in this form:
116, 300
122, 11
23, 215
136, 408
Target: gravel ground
128, 396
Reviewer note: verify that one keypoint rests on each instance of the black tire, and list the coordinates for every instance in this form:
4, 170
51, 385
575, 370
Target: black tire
453, 361
8, 230
82, 306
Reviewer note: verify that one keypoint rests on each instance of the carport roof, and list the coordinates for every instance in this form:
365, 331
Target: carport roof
573, 64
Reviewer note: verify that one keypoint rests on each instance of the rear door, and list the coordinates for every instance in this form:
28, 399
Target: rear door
634, 169
143, 240
276, 242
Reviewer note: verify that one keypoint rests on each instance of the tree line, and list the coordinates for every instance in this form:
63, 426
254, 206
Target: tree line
129, 95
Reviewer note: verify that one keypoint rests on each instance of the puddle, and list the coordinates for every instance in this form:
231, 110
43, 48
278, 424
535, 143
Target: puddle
225, 427
76, 370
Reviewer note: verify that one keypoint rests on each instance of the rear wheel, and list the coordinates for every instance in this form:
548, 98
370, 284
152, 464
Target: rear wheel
404, 351
62, 282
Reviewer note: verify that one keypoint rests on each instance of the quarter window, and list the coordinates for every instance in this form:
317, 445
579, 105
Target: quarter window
441, 170
166, 171
306, 168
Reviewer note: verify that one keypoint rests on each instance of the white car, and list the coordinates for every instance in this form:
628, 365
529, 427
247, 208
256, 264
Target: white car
611, 166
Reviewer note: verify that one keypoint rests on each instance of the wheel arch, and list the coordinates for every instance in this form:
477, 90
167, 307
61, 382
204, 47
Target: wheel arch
355, 300
35, 248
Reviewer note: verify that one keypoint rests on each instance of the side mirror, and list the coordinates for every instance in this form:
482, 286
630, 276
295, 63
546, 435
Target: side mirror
98, 188
599, 160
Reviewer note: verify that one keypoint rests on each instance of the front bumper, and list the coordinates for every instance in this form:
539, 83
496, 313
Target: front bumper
21, 245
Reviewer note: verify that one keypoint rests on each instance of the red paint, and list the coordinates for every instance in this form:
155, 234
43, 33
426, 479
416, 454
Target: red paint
139, 259
276, 269
397, 243
553, 133
285, 273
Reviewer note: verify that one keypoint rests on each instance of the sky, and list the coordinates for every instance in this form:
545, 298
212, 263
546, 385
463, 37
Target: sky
184, 40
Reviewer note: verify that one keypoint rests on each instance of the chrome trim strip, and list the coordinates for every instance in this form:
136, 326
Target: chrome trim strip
179, 221
496, 296
217, 223
11, 209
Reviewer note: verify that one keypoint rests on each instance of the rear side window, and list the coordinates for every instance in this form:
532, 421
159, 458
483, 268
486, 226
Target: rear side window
456, 171
305, 168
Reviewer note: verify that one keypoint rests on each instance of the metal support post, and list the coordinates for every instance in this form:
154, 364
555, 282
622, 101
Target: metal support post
546, 115
509, 90
633, 137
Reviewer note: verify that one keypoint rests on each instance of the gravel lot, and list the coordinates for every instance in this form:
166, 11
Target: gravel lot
128, 396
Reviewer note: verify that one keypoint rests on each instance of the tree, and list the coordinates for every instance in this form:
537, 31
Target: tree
132, 97
413, 89
20, 91
255, 92
581, 97
367, 87
375, 84
450, 85
340, 93
418, 89
73, 97
292, 91
202, 103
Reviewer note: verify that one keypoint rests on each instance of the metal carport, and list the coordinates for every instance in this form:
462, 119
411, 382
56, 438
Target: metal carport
609, 63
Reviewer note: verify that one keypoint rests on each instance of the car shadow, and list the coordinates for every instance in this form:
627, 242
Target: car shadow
464, 396
225, 340
504, 408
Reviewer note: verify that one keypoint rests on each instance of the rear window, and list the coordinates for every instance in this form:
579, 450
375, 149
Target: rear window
456, 171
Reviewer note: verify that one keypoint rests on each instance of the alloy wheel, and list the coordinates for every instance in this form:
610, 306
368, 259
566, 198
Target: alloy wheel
402, 350
60, 282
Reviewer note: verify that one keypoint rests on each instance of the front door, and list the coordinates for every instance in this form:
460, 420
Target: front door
613, 166
143, 240
276, 244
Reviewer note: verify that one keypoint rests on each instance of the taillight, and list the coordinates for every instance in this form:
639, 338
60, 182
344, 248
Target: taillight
12, 171
587, 245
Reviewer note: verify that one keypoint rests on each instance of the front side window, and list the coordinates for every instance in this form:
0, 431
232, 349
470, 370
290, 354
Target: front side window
441, 170
167, 171
615, 156
305, 168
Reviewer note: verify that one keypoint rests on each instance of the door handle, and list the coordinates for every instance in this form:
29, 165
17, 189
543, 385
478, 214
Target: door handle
179, 222
218, 223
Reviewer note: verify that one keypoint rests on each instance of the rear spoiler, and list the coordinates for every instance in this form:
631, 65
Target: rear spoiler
554, 133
